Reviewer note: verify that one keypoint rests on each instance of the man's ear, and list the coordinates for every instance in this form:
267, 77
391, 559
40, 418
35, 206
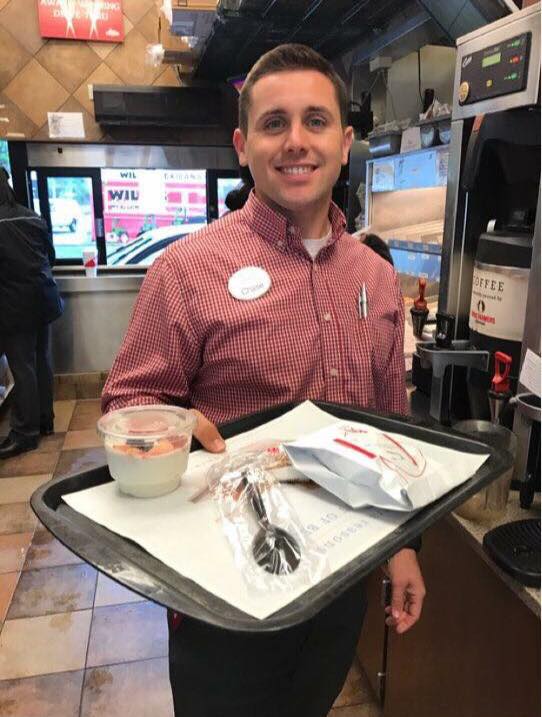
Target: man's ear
239, 143
348, 138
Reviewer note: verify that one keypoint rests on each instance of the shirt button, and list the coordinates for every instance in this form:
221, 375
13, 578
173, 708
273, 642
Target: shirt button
291, 230
280, 244
333, 372
327, 317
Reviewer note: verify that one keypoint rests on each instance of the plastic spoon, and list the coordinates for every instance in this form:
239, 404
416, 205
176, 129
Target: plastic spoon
274, 549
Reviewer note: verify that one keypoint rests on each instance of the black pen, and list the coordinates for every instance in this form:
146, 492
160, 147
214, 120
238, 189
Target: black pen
362, 302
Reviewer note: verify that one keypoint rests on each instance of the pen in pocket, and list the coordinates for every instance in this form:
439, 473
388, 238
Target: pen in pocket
362, 302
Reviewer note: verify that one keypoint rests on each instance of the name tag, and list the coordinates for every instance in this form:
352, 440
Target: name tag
249, 283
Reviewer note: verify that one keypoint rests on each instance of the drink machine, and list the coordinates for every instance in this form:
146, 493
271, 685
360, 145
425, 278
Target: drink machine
489, 298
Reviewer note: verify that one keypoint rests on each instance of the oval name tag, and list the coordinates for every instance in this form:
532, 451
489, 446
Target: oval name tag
249, 283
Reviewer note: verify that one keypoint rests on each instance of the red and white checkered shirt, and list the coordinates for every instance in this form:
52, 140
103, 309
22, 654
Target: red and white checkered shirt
190, 342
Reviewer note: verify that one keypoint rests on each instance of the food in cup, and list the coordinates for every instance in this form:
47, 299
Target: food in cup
147, 447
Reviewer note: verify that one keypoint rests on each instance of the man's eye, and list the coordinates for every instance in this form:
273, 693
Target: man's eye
317, 122
274, 124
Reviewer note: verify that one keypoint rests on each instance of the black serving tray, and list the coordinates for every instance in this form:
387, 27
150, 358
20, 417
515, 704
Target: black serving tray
129, 564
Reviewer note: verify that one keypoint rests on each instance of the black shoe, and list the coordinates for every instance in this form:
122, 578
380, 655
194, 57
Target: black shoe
12, 445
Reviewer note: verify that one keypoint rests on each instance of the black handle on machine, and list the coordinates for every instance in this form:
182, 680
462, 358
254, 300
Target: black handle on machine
444, 333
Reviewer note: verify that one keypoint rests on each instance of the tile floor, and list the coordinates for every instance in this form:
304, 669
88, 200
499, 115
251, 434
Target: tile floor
60, 620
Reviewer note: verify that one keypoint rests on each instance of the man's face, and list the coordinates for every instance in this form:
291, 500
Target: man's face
295, 144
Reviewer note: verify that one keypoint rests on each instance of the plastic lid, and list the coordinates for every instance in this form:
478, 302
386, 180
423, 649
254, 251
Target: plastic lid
146, 423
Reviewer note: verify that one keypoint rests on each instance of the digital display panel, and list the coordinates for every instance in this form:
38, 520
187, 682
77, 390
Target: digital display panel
491, 60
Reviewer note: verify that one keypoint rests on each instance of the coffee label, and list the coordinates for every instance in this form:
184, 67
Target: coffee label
499, 301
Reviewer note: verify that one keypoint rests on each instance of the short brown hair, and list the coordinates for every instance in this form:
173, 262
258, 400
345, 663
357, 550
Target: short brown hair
286, 58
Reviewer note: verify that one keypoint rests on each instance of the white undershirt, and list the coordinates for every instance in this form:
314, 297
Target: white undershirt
313, 246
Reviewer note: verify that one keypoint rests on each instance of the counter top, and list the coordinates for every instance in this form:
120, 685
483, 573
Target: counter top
474, 532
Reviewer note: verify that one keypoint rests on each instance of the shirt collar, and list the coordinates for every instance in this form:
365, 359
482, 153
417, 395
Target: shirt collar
276, 229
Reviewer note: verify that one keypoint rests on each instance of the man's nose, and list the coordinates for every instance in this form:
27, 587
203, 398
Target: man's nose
296, 137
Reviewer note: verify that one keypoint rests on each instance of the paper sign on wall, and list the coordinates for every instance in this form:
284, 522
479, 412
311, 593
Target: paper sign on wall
98, 20
530, 372
66, 125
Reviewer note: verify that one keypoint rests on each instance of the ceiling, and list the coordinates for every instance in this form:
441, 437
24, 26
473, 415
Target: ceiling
242, 30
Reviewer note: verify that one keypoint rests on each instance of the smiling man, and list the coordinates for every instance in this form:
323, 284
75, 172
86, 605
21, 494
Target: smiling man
261, 308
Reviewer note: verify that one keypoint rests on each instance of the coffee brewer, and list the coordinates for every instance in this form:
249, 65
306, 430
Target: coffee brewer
489, 296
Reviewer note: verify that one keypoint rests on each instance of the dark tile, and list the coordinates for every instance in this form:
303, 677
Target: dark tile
51, 444
138, 689
79, 460
142, 626
30, 463
53, 590
64, 391
43, 696
89, 390
47, 552
17, 518
85, 414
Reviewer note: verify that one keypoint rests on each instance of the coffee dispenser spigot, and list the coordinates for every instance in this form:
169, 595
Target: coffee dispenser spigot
500, 393
419, 311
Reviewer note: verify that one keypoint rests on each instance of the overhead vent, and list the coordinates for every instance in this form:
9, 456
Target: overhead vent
164, 106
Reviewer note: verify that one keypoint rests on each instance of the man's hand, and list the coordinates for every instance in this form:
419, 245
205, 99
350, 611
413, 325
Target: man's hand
207, 433
407, 591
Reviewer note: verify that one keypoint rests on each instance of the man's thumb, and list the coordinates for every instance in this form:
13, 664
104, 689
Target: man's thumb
207, 434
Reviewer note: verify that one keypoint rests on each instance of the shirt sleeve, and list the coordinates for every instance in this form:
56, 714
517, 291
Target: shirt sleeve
159, 355
392, 395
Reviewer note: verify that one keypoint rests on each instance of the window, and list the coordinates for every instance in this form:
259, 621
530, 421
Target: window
146, 209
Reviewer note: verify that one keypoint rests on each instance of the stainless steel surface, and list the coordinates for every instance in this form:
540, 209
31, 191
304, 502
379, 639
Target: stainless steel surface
531, 340
88, 335
455, 282
132, 156
527, 20
84, 285
528, 405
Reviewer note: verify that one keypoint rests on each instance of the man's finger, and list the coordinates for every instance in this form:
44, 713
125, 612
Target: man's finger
397, 599
207, 434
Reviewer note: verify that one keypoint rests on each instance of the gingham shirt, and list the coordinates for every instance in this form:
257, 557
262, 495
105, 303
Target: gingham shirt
191, 343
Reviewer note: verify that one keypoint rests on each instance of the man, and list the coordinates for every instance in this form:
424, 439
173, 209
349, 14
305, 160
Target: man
258, 309
29, 302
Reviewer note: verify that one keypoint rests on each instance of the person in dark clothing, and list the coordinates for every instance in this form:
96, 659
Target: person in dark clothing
29, 302
237, 198
378, 245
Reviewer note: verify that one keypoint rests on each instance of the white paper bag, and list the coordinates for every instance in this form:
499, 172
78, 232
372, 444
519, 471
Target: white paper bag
364, 466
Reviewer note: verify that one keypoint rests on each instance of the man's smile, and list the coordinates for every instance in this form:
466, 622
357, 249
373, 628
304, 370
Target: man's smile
296, 169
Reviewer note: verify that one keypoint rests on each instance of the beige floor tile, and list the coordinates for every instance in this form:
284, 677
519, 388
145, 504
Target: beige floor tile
39, 696
35, 462
8, 583
109, 592
138, 689
16, 518
63, 415
53, 590
13, 550
85, 438
127, 632
19, 489
44, 645
85, 414
47, 552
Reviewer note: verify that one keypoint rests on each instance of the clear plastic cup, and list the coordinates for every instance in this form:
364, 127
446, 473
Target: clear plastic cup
147, 447
489, 504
